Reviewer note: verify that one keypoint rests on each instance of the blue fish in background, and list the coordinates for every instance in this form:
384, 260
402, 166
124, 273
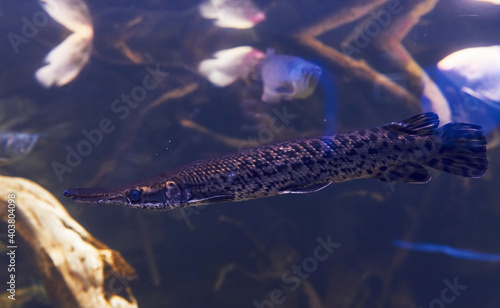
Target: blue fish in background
450, 251
287, 77
470, 81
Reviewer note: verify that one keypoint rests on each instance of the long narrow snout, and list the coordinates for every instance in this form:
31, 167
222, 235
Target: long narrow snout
91, 195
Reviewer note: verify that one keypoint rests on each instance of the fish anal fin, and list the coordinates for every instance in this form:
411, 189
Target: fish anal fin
304, 189
404, 173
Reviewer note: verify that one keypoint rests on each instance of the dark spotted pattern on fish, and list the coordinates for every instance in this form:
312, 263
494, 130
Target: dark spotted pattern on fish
395, 152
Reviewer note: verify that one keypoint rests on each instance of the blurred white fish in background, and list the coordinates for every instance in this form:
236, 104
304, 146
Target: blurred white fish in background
238, 14
491, 1
66, 60
476, 71
287, 77
228, 65
14, 145
470, 81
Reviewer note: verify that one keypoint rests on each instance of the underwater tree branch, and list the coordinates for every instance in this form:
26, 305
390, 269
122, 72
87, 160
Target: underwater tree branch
77, 269
358, 68
390, 42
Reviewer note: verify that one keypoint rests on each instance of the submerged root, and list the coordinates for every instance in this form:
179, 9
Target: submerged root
77, 269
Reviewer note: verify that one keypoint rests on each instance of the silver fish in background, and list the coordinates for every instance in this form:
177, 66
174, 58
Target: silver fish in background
66, 60
15, 146
497, 2
228, 65
238, 14
470, 80
476, 71
396, 152
287, 77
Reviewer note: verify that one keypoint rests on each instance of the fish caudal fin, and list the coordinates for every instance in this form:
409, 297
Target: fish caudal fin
456, 148
462, 150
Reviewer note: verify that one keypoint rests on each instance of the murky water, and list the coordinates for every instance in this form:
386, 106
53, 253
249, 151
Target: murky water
140, 106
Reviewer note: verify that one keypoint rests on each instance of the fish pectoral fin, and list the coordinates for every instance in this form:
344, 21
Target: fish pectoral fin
213, 199
404, 173
304, 189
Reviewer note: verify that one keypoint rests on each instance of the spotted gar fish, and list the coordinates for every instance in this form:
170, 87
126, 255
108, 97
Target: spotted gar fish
395, 152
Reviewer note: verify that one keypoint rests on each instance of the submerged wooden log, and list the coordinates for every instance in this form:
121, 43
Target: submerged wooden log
77, 269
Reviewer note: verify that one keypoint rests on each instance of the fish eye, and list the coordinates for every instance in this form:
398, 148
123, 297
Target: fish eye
135, 195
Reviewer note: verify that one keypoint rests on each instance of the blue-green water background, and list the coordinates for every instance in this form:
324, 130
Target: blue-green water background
363, 216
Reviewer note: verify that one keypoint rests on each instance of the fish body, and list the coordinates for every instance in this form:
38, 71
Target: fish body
497, 2
228, 65
14, 145
469, 80
395, 152
287, 77
65, 61
237, 14
476, 71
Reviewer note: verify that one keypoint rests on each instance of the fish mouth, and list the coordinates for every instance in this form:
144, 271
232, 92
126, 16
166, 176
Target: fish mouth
90, 195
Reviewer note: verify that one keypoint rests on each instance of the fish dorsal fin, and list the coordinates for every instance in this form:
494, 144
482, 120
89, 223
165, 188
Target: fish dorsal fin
304, 189
422, 124
403, 173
